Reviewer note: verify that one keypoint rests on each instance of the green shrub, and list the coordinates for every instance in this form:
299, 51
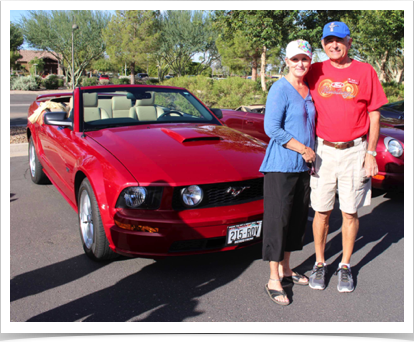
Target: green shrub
121, 81
103, 82
61, 82
394, 91
24, 83
89, 81
51, 82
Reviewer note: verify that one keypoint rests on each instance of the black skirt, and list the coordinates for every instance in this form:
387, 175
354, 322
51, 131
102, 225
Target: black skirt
286, 208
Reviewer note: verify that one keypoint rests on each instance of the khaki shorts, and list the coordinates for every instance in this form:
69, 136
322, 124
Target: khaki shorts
342, 170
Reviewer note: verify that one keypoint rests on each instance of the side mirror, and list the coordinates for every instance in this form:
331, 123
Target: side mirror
57, 119
217, 112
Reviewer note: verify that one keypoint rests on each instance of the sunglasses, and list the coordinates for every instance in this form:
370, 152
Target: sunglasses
311, 167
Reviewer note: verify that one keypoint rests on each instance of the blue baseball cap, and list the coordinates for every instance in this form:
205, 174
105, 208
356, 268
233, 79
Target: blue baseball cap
337, 29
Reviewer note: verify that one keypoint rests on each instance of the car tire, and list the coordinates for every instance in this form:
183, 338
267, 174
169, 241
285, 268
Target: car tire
94, 240
36, 169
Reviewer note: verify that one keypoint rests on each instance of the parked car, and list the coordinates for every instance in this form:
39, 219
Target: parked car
103, 77
390, 148
150, 170
140, 76
168, 77
393, 110
104, 80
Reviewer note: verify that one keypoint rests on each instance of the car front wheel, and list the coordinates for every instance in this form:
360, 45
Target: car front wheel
94, 241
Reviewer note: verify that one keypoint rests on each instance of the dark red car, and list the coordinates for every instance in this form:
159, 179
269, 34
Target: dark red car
390, 148
151, 171
104, 77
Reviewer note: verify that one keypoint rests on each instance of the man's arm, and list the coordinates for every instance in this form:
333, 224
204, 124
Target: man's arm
371, 167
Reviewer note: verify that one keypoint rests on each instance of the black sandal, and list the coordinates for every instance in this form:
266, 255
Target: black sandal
274, 293
295, 278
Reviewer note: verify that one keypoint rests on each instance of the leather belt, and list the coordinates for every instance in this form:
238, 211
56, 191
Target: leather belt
344, 145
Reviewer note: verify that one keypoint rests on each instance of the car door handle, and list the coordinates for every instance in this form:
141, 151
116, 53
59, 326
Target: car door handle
249, 122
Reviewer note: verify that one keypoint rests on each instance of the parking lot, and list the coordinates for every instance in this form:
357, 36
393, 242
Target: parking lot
52, 280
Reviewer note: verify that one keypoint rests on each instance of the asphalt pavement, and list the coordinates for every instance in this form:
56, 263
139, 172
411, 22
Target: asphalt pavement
52, 280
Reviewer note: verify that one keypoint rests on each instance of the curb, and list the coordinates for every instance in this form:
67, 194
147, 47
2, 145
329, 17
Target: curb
19, 150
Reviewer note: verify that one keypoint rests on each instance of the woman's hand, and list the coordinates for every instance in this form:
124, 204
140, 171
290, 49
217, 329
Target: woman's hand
308, 155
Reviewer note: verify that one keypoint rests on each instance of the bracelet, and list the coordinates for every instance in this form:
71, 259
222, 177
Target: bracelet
304, 151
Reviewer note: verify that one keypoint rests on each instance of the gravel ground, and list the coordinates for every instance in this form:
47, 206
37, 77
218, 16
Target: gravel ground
18, 135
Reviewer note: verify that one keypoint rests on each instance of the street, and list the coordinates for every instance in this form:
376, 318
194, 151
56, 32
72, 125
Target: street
52, 280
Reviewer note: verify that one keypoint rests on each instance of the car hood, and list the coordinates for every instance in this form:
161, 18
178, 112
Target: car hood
392, 132
183, 155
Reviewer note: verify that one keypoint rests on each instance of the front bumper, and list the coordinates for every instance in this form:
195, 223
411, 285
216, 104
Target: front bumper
184, 232
388, 181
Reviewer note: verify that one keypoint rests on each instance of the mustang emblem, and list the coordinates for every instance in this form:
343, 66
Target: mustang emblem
236, 190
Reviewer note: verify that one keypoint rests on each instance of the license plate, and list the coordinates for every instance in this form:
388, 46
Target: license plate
243, 232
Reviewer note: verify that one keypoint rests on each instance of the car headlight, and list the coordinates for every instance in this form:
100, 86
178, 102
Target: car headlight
138, 197
192, 195
394, 147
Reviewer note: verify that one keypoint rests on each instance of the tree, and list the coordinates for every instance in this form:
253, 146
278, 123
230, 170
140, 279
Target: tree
238, 53
16, 40
52, 31
130, 36
16, 37
103, 64
379, 39
185, 34
266, 29
40, 64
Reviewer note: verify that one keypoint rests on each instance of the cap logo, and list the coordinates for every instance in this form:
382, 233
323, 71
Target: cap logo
332, 26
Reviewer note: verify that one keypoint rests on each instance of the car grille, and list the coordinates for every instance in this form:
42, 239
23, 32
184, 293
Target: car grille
218, 195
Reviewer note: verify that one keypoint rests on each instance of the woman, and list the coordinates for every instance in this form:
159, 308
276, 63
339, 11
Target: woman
290, 123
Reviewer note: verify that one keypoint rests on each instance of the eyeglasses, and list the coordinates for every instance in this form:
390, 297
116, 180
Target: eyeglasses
311, 167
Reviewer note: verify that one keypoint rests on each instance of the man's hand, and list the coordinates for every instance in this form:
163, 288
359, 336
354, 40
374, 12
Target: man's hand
370, 165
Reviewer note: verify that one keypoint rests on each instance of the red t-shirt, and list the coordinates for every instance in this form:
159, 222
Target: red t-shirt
343, 98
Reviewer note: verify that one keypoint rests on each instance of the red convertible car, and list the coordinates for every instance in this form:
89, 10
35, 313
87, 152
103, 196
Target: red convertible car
390, 148
150, 170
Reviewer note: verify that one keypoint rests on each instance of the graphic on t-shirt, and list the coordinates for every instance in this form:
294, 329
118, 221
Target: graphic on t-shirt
348, 91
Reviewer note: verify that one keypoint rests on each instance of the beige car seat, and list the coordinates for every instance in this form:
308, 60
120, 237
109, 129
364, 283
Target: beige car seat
91, 111
121, 108
146, 110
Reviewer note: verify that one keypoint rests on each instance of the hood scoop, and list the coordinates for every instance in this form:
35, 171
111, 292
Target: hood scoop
183, 135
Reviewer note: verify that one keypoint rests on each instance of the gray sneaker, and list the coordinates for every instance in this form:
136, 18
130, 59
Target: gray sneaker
317, 277
345, 281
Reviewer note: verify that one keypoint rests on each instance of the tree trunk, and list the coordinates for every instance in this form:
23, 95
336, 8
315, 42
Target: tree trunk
400, 75
384, 60
263, 69
133, 73
254, 69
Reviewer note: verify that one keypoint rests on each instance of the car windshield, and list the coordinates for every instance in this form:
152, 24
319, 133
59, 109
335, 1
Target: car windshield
128, 106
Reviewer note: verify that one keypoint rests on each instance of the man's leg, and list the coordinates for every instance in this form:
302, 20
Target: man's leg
350, 226
320, 232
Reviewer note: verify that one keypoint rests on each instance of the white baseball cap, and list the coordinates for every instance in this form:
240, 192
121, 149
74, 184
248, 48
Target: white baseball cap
298, 47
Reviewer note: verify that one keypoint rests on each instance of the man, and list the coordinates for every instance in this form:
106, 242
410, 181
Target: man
347, 95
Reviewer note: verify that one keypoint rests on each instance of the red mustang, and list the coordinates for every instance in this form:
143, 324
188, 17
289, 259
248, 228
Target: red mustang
390, 148
151, 171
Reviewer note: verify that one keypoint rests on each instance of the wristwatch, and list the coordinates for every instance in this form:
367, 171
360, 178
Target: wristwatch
372, 153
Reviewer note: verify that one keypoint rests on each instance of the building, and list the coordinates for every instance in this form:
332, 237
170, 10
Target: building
52, 65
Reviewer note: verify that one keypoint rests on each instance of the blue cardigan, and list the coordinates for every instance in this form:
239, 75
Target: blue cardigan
287, 116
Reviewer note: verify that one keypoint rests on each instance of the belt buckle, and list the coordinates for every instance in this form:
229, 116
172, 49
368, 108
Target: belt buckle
337, 145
